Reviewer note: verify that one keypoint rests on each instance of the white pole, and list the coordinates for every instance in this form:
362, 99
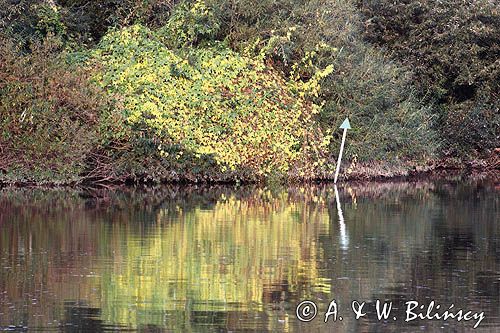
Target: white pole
340, 155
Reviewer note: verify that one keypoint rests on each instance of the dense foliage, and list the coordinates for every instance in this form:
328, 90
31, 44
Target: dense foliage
226, 90
453, 48
377, 95
213, 102
49, 114
80, 21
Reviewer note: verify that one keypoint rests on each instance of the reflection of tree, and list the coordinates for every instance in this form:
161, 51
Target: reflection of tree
217, 251
195, 259
456, 260
231, 257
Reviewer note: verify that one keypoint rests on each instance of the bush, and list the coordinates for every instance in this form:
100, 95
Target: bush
224, 90
49, 113
190, 25
83, 22
213, 102
30, 21
88, 21
389, 120
453, 48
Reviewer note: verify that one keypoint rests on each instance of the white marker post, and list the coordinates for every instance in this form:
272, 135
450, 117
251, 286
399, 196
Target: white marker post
345, 125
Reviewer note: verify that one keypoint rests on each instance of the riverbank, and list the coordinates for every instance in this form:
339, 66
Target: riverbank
233, 100
372, 171
225, 257
383, 170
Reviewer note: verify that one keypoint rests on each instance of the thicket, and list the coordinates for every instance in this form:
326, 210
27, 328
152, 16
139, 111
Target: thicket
58, 126
453, 48
225, 89
214, 103
171, 108
50, 115
81, 22
389, 120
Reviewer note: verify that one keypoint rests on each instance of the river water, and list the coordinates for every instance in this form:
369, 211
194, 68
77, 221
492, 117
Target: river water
240, 259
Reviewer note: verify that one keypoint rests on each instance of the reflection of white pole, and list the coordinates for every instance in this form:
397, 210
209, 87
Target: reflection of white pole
344, 238
345, 125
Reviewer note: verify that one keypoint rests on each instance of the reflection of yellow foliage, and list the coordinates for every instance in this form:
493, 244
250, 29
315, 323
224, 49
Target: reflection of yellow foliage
218, 259
146, 261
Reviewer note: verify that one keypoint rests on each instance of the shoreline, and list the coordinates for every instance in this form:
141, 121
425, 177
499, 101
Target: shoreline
377, 171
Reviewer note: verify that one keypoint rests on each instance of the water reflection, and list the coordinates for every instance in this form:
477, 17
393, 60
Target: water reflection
239, 259
344, 238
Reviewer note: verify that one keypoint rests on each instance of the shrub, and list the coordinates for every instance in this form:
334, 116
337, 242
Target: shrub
389, 120
88, 20
190, 25
453, 48
80, 21
213, 102
56, 125
30, 21
50, 115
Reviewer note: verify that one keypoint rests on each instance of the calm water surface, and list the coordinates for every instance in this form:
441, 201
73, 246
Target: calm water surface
240, 259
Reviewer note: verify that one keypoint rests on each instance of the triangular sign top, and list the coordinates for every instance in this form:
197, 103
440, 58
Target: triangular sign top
346, 124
